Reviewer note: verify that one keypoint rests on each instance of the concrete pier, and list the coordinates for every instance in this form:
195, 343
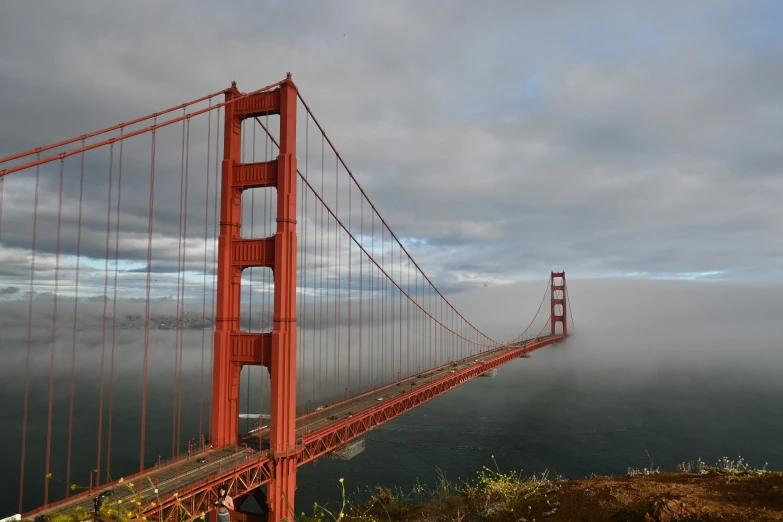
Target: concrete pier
348, 451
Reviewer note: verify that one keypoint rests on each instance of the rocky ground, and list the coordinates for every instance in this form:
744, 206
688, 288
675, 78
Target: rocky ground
666, 497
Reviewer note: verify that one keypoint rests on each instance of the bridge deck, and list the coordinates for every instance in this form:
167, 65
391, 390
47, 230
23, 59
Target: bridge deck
180, 483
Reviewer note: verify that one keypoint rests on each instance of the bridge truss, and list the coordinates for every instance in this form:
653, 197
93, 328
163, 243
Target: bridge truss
288, 290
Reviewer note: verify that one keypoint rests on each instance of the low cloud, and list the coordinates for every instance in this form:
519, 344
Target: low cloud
641, 143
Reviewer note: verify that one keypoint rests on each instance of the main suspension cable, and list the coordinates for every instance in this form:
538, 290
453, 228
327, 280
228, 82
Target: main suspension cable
350, 173
108, 129
155, 126
375, 262
570, 313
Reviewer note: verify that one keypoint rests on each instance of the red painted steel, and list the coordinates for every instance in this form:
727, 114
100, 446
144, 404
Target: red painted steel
282, 425
558, 313
334, 436
225, 375
253, 469
245, 471
233, 348
119, 126
121, 137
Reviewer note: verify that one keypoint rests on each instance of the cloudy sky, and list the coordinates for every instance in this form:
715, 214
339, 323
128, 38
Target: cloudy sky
499, 139
609, 139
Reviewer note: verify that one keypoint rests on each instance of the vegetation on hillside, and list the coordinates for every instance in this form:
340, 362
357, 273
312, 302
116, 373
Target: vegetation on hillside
729, 490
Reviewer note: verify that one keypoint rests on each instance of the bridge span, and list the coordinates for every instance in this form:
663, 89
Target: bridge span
336, 294
186, 487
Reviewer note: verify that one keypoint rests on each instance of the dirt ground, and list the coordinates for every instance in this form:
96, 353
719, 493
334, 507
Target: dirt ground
667, 497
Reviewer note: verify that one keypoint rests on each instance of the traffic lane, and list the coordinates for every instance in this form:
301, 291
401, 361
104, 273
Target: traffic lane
342, 410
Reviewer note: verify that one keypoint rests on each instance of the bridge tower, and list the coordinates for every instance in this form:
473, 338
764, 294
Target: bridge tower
558, 299
276, 350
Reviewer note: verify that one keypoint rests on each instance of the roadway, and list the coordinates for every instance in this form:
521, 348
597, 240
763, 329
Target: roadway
161, 482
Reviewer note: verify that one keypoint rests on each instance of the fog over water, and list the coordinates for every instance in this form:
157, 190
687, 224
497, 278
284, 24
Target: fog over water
679, 369
633, 140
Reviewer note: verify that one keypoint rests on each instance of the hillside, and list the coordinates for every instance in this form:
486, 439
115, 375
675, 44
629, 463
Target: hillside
730, 491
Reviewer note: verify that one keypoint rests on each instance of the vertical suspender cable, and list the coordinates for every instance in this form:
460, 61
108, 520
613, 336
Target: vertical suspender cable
338, 286
2, 190
29, 338
320, 284
433, 336
328, 298
391, 312
408, 317
316, 288
304, 265
214, 249
250, 284
177, 329
416, 315
350, 296
300, 294
75, 322
382, 372
184, 272
147, 306
373, 345
361, 293
105, 308
114, 311
268, 276
54, 335
568, 299
204, 297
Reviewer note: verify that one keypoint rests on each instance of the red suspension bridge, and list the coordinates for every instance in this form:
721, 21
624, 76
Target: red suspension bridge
288, 288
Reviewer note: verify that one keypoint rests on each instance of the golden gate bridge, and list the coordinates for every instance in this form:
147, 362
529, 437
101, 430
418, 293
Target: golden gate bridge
304, 280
